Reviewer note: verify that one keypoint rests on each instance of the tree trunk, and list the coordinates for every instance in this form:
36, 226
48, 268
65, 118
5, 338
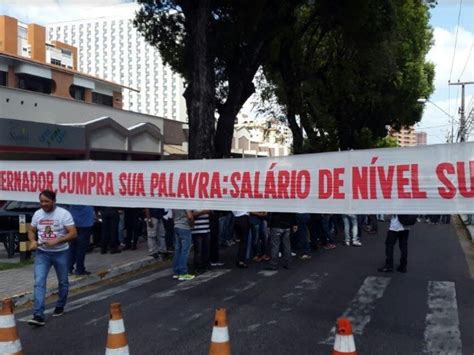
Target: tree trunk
295, 129
199, 93
240, 89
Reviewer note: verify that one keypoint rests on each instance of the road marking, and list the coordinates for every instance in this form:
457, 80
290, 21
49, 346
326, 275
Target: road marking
442, 335
248, 285
208, 276
267, 273
181, 286
250, 329
362, 305
81, 302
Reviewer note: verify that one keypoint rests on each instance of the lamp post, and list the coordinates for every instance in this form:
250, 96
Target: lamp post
423, 100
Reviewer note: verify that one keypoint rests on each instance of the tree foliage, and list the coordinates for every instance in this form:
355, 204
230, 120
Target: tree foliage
350, 68
342, 70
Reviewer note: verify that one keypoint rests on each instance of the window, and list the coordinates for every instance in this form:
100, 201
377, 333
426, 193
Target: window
102, 99
77, 92
3, 78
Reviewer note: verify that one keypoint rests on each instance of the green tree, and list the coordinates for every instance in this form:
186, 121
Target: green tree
349, 68
218, 46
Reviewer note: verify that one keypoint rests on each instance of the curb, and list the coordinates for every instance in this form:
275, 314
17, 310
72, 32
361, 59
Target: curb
469, 227
98, 276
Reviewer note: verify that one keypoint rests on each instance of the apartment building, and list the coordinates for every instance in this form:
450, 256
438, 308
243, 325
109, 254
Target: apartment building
406, 136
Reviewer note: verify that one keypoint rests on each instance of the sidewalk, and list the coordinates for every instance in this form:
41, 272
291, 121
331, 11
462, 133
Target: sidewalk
469, 227
18, 283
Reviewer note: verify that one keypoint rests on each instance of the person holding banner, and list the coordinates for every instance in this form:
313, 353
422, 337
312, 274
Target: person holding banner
83, 217
183, 225
54, 227
155, 232
281, 225
242, 230
201, 234
396, 231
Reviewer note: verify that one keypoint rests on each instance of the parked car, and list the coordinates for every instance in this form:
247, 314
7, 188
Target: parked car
9, 222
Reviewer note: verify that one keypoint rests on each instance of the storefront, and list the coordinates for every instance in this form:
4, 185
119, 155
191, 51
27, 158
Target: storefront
26, 140
99, 139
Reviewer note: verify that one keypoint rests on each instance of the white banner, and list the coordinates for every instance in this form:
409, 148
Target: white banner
435, 179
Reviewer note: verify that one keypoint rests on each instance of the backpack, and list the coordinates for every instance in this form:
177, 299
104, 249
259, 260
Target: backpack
407, 219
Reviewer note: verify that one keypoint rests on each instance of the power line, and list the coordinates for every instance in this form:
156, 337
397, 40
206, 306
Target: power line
455, 40
467, 60
443, 125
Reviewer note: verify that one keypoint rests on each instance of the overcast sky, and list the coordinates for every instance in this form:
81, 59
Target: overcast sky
444, 19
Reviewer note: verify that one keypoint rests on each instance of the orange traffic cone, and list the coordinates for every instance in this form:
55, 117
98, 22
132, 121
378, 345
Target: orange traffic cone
9, 340
116, 338
220, 344
344, 342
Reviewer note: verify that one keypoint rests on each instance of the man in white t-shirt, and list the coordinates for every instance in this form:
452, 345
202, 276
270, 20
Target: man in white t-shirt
51, 229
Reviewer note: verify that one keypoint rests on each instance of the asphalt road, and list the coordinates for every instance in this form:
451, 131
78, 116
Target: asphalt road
428, 310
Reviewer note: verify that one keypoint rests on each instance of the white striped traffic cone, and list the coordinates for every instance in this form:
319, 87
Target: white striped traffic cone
344, 342
116, 338
220, 344
9, 340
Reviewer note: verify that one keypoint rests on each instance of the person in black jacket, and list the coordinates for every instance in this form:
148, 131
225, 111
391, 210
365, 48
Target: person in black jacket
281, 225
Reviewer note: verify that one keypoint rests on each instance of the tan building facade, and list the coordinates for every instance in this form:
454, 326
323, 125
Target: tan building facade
421, 138
28, 62
406, 137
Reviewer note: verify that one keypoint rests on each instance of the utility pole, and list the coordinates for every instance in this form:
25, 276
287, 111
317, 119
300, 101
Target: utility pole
462, 121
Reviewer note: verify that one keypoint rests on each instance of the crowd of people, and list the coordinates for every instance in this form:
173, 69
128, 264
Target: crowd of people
61, 237
261, 236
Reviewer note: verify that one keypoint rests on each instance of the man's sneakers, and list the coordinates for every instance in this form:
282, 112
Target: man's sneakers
305, 257
217, 264
385, 269
355, 243
58, 311
186, 277
37, 321
402, 269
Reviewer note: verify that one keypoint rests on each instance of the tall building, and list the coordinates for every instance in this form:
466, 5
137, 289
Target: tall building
406, 136
111, 48
421, 138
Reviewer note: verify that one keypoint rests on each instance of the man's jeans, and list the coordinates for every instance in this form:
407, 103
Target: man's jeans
350, 225
258, 237
202, 248
280, 236
78, 248
155, 231
43, 262
392, 238
226, 227
301, 235
183, 239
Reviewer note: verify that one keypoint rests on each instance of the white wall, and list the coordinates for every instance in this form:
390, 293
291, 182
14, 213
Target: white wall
50, 109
